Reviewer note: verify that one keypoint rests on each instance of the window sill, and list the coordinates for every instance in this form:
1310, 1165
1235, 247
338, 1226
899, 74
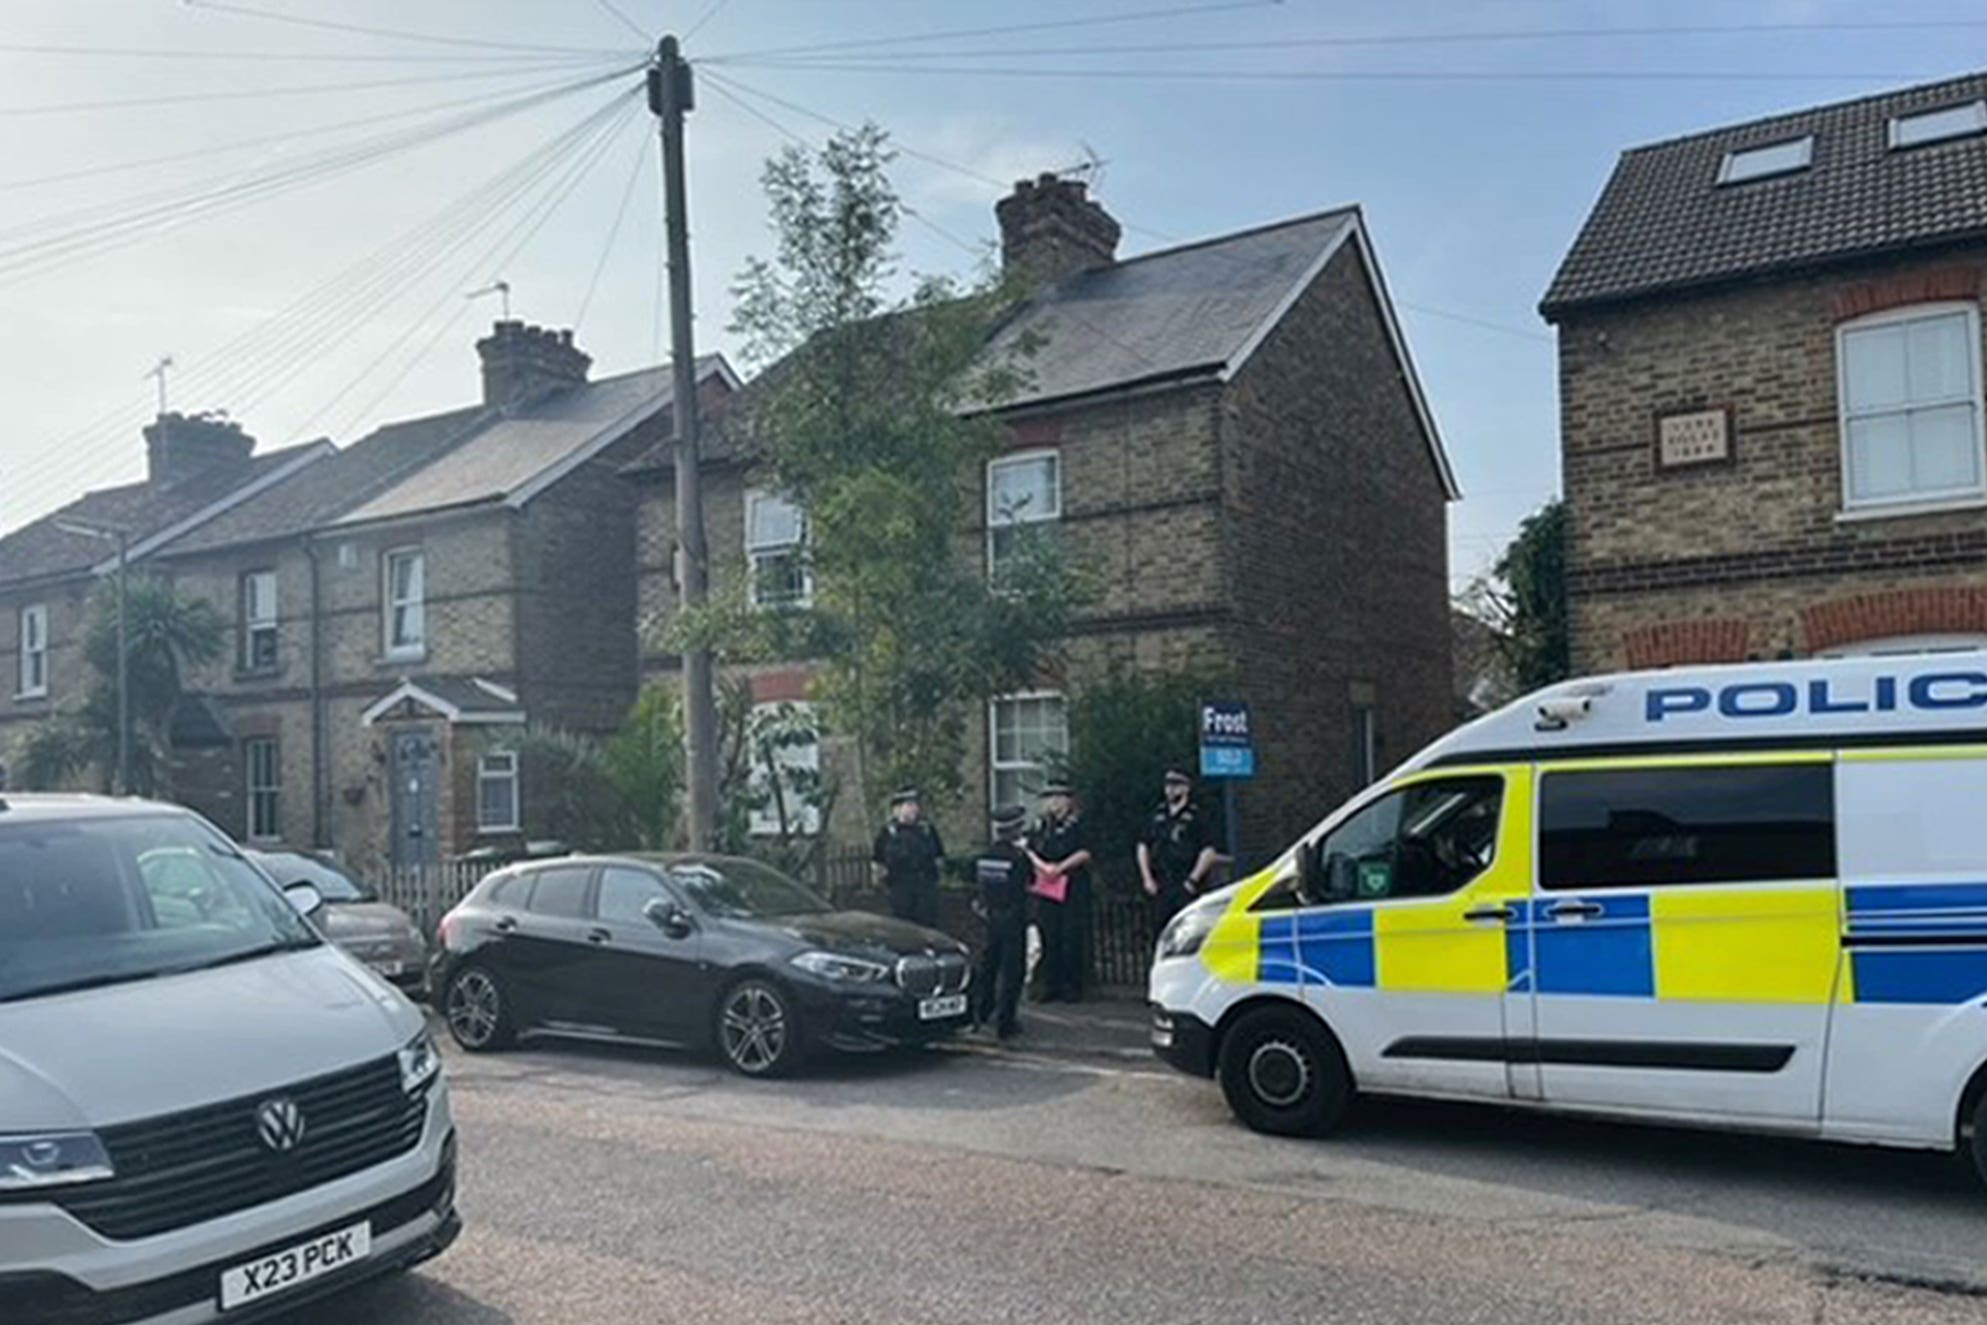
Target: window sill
498, 830
1905, 510
245, 675
394, 659
29, 696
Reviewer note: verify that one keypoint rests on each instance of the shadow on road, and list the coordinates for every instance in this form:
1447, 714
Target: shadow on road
399, 1297
1650, 1165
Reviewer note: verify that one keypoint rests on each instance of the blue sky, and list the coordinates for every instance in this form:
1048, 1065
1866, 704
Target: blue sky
1474, 158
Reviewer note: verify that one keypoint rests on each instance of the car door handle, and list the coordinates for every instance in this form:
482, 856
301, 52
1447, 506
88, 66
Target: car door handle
1499, 913
598, 936
1563, 910
505, 924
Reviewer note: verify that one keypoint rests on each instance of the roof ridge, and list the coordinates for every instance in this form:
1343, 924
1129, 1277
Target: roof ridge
1660, 143
1288, 222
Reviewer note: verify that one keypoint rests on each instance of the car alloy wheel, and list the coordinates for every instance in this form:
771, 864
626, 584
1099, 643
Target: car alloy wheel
755, 1029
475, 1010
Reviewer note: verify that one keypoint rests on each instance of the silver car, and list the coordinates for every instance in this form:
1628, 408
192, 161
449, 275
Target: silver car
377, 933
206, 1111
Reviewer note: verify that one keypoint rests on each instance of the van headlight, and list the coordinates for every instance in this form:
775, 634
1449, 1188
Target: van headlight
1188, 930
51, 1159
419, 1063
834, 966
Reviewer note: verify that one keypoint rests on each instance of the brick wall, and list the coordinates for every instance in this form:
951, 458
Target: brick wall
1339, 569
68, 677
1751, 545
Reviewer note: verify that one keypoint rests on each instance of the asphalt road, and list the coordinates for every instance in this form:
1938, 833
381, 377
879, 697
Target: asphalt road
609, 1185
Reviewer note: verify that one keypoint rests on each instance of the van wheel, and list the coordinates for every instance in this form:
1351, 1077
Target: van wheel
1973, 1142
478, 1010
1283, 1074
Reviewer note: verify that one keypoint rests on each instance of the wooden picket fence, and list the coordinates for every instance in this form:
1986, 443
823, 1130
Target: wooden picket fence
426, 892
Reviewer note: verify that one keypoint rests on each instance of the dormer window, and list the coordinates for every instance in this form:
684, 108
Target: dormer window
1783, 158
1935, 126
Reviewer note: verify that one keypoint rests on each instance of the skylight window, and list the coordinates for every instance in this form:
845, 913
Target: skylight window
1772, 159
1934, 126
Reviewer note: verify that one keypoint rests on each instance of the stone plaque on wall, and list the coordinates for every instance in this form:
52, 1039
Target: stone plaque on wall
1699, 437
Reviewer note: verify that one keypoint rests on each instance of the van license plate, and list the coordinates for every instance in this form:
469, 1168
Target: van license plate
296, 1265
949, 1005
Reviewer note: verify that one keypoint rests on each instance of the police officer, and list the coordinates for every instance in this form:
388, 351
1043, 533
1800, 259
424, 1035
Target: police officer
1001, 876
908, 853
1059, 845
1176, 851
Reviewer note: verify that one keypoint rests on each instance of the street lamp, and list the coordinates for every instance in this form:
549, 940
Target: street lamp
121, 536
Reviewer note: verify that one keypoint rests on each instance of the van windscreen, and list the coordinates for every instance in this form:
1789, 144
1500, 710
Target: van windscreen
102, 900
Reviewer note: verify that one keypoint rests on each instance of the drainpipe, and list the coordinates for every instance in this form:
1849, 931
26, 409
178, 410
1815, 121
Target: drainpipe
320, 755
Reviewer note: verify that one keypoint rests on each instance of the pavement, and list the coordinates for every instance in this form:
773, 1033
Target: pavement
1067, 1177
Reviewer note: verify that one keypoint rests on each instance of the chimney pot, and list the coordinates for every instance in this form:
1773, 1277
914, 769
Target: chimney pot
183, 446
524, 363
1051, 228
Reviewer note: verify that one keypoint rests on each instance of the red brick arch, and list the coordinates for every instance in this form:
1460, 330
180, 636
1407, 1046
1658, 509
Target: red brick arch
1951, 609
1675, 643
1916, 287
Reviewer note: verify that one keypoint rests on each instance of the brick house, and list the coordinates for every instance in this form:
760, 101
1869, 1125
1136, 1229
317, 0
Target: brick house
398, 608
1232, 442
1770, 366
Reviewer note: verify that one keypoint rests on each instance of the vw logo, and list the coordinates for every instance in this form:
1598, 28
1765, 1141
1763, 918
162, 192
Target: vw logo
280, 1124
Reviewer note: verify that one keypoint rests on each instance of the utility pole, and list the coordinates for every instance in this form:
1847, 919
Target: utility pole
671, 96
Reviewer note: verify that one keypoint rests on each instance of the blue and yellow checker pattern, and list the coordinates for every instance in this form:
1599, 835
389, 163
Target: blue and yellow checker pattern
1801, 943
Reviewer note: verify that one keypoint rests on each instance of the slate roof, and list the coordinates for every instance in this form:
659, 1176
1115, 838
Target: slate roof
40, 549
1165, 314
1664, 222
464, 457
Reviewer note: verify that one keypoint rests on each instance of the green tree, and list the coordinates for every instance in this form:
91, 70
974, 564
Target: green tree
874, 418
1125, 730
1524, 600
613, 793
167, 635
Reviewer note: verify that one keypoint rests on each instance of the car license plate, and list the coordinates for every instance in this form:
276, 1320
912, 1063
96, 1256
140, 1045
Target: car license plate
296, 1265
946, 1005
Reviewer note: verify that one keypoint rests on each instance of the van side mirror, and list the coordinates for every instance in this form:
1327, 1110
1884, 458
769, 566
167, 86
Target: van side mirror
304, 896
670, 918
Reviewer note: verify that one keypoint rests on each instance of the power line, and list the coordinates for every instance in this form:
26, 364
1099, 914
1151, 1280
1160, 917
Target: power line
221, 149
1353, 75
710, 12
265, 57
613, 231
1138, 16
625, 21
274, 16
1447, 38
729, 85
308, 89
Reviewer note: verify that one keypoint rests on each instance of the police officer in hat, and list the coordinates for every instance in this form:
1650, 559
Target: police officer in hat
1001, 876
908, 853
1059, 845
1176, 851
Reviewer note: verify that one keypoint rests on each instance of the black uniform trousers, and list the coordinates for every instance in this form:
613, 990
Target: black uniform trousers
915, 900
1065, 929
1003, 967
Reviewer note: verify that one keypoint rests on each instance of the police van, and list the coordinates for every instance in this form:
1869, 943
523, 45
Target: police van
1751, 897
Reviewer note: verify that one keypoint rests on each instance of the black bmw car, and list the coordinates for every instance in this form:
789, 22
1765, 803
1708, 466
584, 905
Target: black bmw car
690, 951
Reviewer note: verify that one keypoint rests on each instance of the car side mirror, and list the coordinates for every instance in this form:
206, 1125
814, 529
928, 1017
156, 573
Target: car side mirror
304, 896
670, 918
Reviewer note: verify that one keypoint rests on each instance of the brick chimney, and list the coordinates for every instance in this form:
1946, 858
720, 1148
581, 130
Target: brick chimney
1050, 228
181, 446
521, 363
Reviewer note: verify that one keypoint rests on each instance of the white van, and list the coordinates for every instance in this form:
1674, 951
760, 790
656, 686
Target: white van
1751, 897
206, 1111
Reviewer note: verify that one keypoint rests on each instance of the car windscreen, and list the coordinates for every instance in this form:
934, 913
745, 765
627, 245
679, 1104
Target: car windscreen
743, 889
97, 901
288, 867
